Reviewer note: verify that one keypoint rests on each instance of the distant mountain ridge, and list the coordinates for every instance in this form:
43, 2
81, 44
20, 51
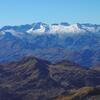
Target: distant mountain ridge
63, 27
78, 43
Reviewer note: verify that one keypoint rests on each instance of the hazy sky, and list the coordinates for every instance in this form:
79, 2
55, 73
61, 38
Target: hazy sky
15, 12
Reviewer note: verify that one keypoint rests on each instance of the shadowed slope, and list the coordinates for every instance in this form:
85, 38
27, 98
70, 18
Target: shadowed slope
36, 79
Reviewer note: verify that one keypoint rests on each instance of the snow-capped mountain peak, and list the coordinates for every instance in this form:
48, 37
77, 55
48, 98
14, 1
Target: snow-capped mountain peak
39, 28
73, 28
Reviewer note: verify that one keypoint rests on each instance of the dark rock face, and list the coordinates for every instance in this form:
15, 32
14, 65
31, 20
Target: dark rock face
35, 79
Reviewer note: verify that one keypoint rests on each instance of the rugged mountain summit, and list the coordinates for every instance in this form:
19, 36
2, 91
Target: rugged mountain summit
36, 79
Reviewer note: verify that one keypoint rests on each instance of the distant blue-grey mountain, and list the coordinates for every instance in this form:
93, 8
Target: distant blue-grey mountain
79, 43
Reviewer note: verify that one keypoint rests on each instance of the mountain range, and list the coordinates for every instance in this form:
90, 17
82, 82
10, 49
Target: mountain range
50, 62
79, 43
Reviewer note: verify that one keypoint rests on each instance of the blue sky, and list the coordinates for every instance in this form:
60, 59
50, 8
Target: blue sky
15, 12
